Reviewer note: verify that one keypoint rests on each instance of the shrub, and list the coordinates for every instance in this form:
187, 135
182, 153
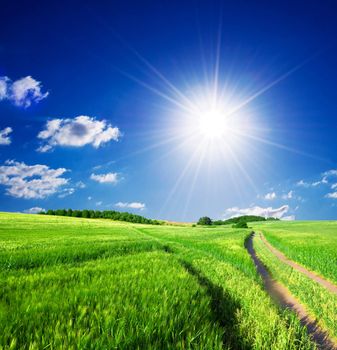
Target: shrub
205, 220
240, 224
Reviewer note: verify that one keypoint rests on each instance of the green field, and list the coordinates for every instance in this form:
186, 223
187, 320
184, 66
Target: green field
314, 246
310, 243
72, 283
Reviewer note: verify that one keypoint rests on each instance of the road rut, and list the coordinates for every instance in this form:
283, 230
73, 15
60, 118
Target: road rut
286, 300
325, 283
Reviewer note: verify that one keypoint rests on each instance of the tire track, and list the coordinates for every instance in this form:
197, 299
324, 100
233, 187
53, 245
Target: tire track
325, 283
281, 295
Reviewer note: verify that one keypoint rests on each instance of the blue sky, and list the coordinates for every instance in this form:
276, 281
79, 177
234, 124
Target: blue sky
170, 109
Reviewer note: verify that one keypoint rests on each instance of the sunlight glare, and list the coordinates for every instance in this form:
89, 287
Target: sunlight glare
212, 123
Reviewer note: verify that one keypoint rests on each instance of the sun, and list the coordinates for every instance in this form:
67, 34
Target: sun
212, 123
211, 119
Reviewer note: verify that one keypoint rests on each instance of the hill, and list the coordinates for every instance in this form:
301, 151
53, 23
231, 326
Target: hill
244, 218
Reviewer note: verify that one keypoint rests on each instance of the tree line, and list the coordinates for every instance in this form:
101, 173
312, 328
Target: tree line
239, 221
105, 214
244, 218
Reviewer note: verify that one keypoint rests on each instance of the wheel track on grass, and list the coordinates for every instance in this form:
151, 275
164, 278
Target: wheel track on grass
286, 300
314, 276
277, 291
190, 248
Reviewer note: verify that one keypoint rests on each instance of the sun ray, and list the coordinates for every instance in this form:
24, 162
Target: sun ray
153, 146
193, 181
151, 67
209, 122
242, 169
217, 64
179, 179
165, 80
156, 91
270, 85
283, 147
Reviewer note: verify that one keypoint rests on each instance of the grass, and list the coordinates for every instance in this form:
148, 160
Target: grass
310, 243
96, 284
112, 303
314, 246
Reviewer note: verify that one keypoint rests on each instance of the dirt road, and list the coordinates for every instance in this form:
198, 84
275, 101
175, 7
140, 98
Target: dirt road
325, 283
285, 299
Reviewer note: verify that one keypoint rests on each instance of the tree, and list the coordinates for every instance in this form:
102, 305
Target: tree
85, 214
205, 220
105, 214
60, 212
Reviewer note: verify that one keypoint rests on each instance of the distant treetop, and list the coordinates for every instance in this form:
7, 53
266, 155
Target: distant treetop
105, 214
244, 218
205, 220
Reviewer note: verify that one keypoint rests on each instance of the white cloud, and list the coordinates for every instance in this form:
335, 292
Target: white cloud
259, 211
44, 148
324, 180
132, 205
3, 87
105, 178
325, 177
288, 218
25, 91
288, 195
98, 203
30, 181
34, 210
89, 198
302, 183
71, 190
77, 132
22, 92
332, 172
80, 184
66, 192
270, 196
104, 165
4, 138
332, 195
333, 186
